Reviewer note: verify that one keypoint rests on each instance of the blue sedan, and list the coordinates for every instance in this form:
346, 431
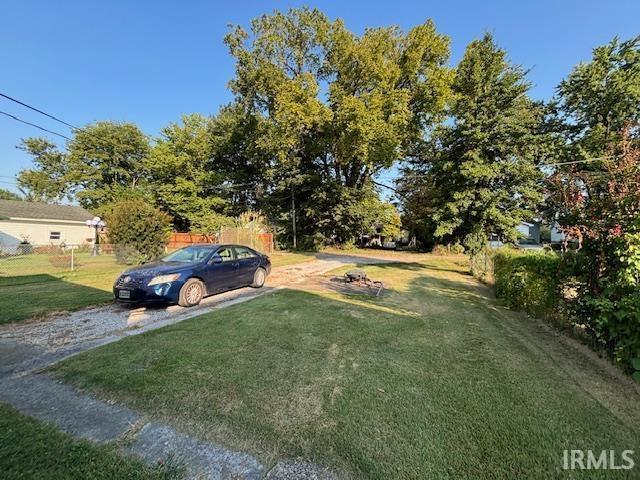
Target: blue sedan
188, 275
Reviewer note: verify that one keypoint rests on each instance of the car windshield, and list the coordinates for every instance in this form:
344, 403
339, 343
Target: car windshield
193, 254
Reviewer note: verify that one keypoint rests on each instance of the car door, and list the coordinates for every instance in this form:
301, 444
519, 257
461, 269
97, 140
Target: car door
248, 262
222, 271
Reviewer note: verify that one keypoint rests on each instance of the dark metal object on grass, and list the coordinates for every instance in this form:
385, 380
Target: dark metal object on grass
360, 277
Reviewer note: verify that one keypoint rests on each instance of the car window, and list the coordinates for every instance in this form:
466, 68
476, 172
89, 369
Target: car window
192, 254
226, 254
244, 252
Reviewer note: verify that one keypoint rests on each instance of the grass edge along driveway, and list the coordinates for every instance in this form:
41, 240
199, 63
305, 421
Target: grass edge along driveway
433, 380
36, 450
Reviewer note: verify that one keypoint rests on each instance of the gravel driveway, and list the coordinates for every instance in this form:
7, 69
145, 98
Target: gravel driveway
26, 346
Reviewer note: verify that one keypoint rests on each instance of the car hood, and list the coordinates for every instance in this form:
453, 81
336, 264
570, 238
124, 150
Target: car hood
157, 268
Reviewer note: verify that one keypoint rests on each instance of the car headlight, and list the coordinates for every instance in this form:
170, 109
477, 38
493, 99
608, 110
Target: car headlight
172, 277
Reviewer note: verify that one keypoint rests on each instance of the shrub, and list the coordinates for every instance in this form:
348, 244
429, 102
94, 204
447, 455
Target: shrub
309, 243
138, 231
598, 211
450, 249
613, 314
527, 281
210, 224
60, 261
440, 250
481, 265
555, 287
457, 248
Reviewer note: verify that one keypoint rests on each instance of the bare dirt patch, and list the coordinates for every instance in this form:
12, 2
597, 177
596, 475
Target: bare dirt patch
337, 284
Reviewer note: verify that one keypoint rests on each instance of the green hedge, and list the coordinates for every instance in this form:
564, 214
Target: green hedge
527, 281
551, 286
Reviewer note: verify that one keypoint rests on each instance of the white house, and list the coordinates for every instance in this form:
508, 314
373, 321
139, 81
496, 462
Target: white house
42, 224
529, 232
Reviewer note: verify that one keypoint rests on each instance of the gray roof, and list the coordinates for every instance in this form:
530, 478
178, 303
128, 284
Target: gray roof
35, 210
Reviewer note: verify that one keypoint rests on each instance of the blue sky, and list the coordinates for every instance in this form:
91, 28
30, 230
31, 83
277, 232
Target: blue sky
149, 62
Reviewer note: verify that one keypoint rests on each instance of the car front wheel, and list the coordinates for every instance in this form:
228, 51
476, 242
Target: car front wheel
191, 293
259, 278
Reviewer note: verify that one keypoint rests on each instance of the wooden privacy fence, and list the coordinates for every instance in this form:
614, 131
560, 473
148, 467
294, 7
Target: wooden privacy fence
265, 242
261, 241
184, 239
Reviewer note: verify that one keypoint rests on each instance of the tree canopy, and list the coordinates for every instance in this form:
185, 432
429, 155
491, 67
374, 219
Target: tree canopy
319, 111
601, 97
478, 175
335, 108
101, 161
8, 195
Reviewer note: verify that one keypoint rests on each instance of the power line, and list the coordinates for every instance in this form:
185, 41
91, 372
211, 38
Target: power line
39, 111
34, 125
73, 128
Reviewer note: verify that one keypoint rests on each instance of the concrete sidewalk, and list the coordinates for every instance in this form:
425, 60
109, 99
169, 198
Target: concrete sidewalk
80, 415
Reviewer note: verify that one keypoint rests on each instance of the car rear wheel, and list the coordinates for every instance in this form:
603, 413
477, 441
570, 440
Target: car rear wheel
259, 278
191, 293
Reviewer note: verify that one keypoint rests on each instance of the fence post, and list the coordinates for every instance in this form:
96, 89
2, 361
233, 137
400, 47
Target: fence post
486, 267
72, 258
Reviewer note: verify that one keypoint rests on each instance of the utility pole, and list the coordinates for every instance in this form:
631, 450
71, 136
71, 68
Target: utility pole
293, 217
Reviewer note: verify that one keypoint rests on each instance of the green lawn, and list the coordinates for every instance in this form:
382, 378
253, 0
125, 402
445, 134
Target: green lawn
30, 449
35, 288
433, 380
281, 259
30, 287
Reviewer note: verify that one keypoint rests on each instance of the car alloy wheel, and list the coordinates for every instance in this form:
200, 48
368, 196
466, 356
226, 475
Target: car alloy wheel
193, 293
258, 278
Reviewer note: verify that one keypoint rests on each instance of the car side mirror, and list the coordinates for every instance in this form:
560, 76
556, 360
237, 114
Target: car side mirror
216, 258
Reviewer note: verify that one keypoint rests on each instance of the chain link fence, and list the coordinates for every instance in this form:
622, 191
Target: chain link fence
31, 260
26, 260
254, 238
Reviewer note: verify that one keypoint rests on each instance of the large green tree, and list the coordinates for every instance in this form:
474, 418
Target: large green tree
102, 162
106, 159
46, 180
601, 97
334, 108
207, 170
595, 104
478, 175
183, 178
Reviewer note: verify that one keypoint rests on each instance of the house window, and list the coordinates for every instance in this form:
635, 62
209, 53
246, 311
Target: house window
54, 236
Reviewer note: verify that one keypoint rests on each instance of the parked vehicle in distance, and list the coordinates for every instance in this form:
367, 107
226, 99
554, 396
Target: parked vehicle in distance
188, 275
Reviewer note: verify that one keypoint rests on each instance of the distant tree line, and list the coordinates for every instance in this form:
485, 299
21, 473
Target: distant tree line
319, 111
